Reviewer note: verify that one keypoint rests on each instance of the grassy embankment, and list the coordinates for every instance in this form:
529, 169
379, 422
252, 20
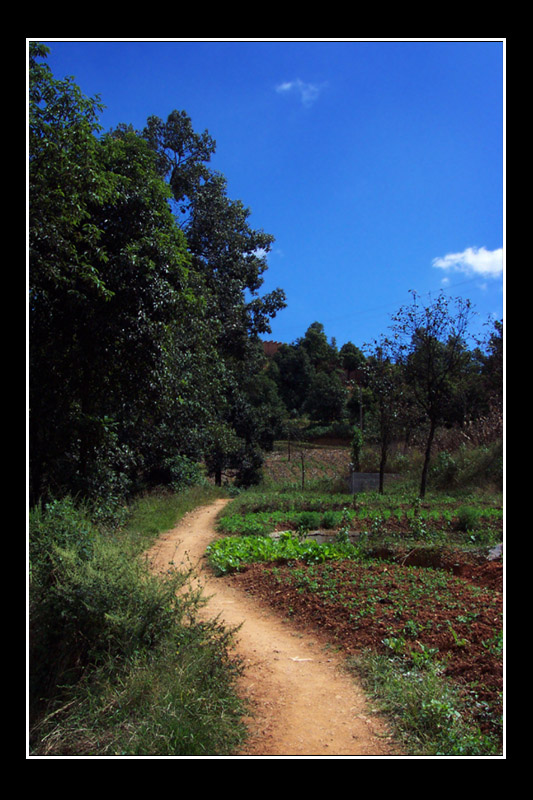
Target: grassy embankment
119, 663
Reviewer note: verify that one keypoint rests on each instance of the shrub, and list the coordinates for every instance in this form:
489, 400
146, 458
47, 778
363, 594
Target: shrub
468, 519
329, 520
59, 524
309, 520
468, 467
88, 601
183, 472
120, 663
250, 471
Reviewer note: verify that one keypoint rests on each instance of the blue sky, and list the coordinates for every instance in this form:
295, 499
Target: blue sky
377, 165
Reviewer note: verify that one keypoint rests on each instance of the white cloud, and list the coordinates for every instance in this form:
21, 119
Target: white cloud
308, 92
476, 261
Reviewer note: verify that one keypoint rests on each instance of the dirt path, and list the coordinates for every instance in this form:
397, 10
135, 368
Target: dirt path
304, 704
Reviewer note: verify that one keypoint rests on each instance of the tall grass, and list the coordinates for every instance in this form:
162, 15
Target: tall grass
427, 713
120, 662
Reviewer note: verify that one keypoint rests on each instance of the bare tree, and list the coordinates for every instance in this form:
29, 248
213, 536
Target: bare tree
429, 343
383, 381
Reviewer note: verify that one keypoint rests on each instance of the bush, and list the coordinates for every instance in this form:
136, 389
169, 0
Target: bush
88, 601
177, 472
124, 664
468, 467
59, 524
183, 472
468, 519
250, 471
329, 520
309, 520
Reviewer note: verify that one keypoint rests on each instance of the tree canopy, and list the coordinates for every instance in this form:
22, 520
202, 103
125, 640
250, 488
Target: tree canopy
141, 333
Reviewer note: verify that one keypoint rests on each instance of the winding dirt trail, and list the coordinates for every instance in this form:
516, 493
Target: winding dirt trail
304, 703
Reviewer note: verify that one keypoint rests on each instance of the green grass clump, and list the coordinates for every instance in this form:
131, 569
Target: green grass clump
468, 519
178, 700
428, 714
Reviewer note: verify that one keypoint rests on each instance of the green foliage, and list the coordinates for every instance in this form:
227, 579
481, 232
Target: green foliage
88, 601
182, 472
309, 520
351, 357
293, 374
429, 344
233, 552
468, 519
326, 398
117, 655
59, 525
141, 340
179, 700
394, 520
468, 467
329, 520
109, 300
444, 471
340, 429
427, 713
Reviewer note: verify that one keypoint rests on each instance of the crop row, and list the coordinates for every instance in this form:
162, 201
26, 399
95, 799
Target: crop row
260, 502
232, 552
464, 519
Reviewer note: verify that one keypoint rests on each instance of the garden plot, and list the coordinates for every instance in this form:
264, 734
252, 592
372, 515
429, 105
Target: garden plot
421, 582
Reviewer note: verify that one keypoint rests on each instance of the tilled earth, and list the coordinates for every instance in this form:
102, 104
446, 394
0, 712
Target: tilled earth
459, 622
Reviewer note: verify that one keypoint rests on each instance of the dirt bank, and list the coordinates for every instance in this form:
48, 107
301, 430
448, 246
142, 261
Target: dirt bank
303, 703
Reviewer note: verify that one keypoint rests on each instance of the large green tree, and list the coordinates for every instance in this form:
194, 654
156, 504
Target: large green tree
115, 308
66, 263
230, 257
225, 248
326, 398
322, 354
292, 371
145, 303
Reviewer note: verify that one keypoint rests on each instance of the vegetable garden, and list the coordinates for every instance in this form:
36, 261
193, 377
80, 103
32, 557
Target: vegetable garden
416, 584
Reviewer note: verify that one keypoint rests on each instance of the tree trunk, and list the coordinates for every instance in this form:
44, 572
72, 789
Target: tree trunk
382, 465
427, 457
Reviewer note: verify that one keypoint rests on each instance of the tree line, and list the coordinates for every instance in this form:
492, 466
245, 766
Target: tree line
420, 376
146, 317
